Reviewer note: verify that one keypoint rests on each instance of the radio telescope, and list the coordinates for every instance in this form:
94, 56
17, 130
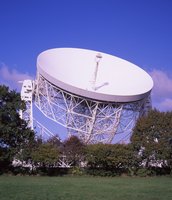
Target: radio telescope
96, 96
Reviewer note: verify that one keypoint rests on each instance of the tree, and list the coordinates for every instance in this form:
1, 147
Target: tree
45, 155
120, 158
97, 154
15, 136
152, 139
74, 150
55, 141
116, 158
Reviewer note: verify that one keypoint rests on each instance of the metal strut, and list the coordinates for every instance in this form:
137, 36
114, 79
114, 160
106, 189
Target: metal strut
93, 121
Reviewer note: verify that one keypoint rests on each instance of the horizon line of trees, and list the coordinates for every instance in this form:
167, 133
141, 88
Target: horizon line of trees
148, 153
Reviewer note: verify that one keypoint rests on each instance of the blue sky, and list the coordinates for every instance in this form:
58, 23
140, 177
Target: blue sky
139, 31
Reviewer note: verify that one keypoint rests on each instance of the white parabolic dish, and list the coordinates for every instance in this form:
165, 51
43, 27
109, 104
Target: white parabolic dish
73, 69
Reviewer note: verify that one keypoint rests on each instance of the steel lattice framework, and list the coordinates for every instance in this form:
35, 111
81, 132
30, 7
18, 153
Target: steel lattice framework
92, 121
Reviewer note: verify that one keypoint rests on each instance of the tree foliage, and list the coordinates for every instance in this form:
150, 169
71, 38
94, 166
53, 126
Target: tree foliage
74, 150
45, 154
152, 139
14, 133
114, 157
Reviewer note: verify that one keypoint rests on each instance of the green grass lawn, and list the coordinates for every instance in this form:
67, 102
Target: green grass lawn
84, 188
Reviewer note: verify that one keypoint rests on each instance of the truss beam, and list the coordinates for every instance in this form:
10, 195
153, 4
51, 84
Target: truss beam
92, 121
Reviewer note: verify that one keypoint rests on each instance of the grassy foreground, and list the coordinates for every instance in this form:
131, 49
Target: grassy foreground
85, 188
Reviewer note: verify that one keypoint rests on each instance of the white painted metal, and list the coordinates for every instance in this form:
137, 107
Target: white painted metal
93, 82
117, 80
92, 121
95, 109
26, 95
